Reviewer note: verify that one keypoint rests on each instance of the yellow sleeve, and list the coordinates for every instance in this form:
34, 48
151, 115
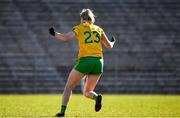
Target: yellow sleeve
76, 30
102, 32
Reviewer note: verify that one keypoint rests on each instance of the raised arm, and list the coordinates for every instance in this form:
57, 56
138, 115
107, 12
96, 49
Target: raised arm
63, 37
106, 42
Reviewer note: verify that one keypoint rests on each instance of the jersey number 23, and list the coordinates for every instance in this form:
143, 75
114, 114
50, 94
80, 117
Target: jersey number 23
88, 37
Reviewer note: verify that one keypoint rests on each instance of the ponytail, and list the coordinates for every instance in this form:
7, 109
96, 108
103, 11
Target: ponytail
87, 15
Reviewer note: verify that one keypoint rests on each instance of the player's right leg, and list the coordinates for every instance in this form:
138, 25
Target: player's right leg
92, 79
89, 90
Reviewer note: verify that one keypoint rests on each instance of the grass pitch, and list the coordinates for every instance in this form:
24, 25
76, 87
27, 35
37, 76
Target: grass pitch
79, 106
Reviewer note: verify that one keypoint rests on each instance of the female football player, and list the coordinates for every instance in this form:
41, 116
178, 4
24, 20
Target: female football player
90, 38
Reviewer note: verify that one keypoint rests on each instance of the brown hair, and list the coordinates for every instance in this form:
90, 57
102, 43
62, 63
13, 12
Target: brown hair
87, 15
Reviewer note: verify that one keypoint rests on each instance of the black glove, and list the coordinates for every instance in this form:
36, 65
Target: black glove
113, 39
51, 31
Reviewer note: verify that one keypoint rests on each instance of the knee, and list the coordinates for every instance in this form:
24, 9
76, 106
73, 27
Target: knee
69, 86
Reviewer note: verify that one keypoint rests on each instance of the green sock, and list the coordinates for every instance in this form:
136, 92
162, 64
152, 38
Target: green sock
63, 109
95, 97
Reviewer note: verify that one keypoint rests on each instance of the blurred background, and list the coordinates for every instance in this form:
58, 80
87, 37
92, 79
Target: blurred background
145, 59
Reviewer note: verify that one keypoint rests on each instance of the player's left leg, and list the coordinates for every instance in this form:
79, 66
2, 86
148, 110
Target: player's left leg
73, 79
